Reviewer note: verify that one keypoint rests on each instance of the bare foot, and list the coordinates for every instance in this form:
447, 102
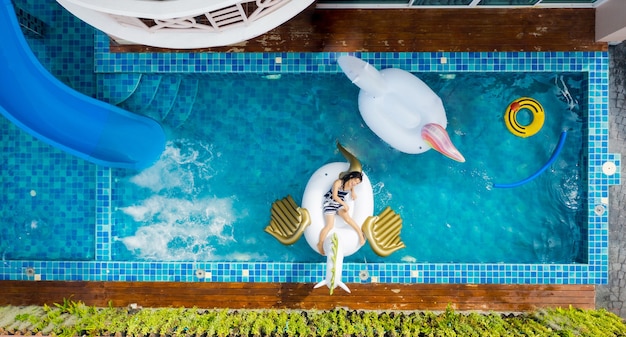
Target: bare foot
320, 247
361, 239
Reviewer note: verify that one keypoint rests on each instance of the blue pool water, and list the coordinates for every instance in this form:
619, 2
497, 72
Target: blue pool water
208, 198
88, 236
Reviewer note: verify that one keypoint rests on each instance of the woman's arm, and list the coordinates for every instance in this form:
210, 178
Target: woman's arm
336, 197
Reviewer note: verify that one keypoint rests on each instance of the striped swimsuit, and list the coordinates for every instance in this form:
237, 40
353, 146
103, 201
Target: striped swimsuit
330, 205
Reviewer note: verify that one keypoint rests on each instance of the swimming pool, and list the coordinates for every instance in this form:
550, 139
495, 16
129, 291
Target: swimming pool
99, 260
205, 198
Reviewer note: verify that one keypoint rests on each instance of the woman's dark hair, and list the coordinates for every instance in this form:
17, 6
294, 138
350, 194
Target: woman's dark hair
353, 174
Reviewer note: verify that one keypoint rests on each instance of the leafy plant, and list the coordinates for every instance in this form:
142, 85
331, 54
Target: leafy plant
358, 326
297, 326
389, 323
222, 327
321, 323
369, 319
257, 325
77, 319
268, 323
247, 320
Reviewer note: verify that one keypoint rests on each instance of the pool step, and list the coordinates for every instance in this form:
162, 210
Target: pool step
164, 97
31, 25
184, 102
114, 88
168, 99
143, 95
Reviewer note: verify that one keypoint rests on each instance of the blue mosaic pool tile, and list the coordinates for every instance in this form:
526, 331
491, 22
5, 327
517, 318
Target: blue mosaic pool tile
71, 61
103, 214
304, 273
595, 64
36, 176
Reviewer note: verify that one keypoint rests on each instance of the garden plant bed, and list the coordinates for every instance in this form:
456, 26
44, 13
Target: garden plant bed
72, 318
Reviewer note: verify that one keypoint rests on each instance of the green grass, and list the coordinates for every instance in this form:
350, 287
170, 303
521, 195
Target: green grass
77, 319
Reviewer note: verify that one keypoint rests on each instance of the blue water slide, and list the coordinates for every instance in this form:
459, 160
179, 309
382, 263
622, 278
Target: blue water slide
34, 100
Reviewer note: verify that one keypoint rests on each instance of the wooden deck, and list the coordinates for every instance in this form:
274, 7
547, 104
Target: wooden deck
488, 297
406, 30
363, 30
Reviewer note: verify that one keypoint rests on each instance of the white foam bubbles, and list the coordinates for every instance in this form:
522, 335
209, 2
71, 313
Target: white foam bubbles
181, 164
409, 259
177, 229
179, 221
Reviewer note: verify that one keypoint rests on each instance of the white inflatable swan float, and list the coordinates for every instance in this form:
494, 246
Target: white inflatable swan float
401, 109
288, 221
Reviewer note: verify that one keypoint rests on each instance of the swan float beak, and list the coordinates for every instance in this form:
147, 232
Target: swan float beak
437, 137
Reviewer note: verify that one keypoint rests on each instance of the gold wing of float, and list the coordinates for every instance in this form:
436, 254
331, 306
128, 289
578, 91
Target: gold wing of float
288, 221
383, 232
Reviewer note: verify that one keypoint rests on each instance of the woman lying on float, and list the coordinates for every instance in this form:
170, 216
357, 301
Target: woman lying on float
288, 221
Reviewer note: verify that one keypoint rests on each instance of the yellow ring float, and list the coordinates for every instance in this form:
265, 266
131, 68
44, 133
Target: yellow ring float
536, 110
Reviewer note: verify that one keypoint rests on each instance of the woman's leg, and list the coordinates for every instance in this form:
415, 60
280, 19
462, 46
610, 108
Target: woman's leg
346, 217
330, 222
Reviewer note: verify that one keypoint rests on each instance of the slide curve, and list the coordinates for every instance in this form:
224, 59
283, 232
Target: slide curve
40, 104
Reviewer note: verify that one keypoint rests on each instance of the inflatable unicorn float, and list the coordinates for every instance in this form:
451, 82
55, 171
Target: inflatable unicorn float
400, 109
288, 221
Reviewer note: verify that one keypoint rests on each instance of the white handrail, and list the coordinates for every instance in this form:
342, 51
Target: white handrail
156, 9
185, 24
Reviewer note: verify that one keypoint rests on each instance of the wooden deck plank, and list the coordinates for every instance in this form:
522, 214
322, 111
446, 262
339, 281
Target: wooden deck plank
423, 30
370, 296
